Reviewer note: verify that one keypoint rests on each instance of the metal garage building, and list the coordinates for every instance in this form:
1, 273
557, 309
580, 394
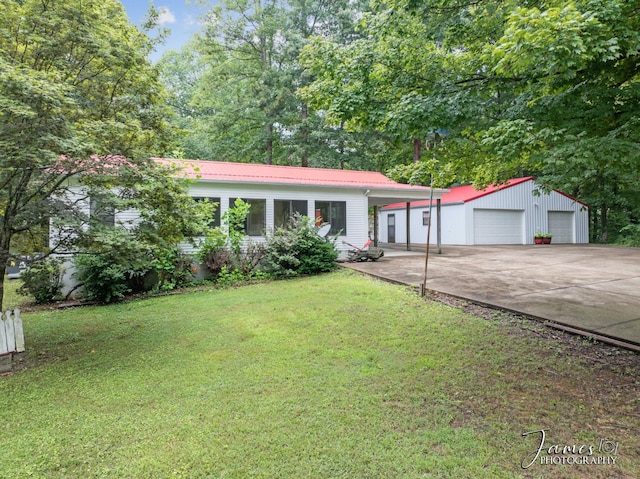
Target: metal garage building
507, 214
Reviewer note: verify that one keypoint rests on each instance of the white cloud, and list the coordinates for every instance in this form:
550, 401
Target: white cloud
165, 16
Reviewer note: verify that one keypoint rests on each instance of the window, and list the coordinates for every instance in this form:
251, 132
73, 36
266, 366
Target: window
215, 219
425, 217
285, 209
334, 212
102, 212
255, 223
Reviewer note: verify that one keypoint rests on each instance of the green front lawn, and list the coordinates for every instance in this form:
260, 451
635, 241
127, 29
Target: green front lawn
336, 376
11, 297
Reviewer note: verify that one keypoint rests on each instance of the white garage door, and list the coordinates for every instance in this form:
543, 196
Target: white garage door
498, 226
561, 226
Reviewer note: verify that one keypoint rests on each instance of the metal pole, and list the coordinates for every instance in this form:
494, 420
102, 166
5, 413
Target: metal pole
438, 213
423, 288
408, 219
375, 225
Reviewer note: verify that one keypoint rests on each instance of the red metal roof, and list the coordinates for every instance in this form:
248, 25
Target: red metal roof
463, 194
222, 171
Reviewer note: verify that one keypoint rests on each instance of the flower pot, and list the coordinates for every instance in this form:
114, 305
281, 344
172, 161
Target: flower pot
546, 240
537, 240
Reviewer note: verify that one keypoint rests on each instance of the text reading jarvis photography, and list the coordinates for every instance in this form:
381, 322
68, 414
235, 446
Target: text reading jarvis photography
604, 454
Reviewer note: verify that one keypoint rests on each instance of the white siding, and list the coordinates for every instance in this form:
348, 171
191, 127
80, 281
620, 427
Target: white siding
452, 225
357, 204
458, 219
73, 195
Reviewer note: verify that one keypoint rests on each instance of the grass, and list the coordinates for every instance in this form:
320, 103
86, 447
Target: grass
11, 297
336, 376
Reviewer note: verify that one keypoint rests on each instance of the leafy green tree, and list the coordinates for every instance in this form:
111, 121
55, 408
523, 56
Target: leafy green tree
244, 105
548, 88
576, 107
77, 96
115, 259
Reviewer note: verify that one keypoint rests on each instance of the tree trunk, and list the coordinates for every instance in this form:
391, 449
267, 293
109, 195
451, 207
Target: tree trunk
341, 146
305, 135
603, 213
603, 224
5, 242
269, 144
417, 149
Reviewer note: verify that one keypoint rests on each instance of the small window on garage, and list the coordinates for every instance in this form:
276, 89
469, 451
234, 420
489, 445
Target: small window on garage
425, 217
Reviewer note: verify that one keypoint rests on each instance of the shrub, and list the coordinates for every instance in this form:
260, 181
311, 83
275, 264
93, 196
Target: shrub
116, 266
43, 280
214, 253
630, 235
230, 250
173, 268
298, 249
249, 258
230, 277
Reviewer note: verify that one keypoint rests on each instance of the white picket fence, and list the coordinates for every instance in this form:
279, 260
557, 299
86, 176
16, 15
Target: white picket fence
11, 333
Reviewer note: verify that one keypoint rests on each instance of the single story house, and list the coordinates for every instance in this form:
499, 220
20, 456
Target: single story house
343, 198
511, 213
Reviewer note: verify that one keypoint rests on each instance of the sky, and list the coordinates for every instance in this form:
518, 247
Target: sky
180, 16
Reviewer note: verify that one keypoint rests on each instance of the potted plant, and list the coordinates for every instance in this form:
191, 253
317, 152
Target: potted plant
546, 238
538, 238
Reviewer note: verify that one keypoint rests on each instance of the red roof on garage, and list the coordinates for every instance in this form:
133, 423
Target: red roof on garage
223, 171
463, 194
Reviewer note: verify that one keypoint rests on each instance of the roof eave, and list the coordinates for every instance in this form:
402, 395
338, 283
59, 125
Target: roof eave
413, 192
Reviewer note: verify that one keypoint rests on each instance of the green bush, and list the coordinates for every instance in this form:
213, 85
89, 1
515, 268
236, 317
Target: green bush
630, 235
231, 277
227, 250
43, 280
173, 267
116, 265
214, 253
298, 249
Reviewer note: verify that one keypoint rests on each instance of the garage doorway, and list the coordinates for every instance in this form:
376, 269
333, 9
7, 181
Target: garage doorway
493, 226
560, 225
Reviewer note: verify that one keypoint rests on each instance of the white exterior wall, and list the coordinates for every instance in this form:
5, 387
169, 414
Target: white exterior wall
536, 208
357, 204
452, 225
457, 219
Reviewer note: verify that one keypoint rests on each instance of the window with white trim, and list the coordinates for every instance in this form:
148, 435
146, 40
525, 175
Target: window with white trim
215, 219
333, 212
255, 223
284, 210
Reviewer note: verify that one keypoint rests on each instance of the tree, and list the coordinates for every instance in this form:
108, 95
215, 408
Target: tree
77, 96
115, 256
241, 94
547, 88
244, 105
180, 73
576, 107
389, 78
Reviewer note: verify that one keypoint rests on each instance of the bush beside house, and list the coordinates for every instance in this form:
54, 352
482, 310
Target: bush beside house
119, 262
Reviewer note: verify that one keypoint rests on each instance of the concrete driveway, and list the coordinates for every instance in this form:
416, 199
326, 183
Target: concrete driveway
591, 288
